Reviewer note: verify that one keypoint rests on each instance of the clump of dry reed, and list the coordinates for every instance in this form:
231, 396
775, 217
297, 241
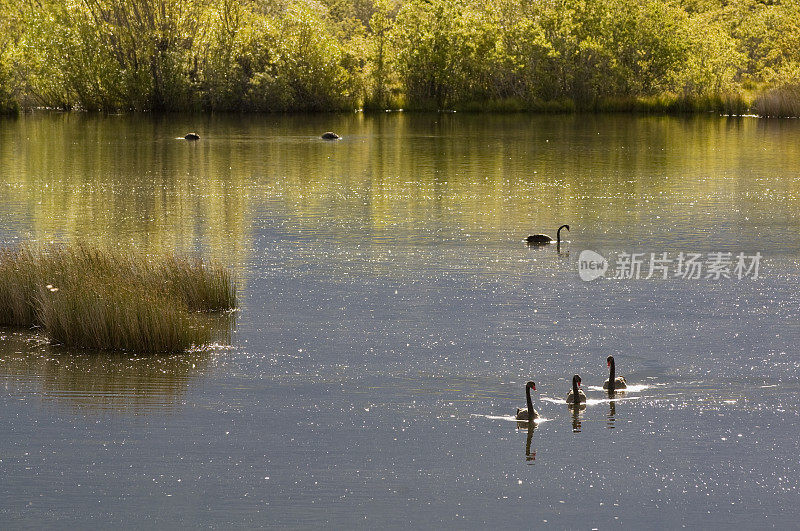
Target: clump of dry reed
203, 287
20, 272
89, 298
781, 102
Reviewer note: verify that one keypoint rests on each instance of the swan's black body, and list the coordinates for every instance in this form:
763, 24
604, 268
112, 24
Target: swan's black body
192, 136
543, 239
576, 396
330, 136
529, 413
614, 382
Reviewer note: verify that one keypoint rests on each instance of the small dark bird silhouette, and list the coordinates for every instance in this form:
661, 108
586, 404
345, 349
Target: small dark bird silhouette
543, 239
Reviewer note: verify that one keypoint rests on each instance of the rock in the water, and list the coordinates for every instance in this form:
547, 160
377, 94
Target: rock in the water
330, 136
192, 136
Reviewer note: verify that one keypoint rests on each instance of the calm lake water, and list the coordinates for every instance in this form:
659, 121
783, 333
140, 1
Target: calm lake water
391, 314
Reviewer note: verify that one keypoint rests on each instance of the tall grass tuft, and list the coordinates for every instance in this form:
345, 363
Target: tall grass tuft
89, 298
782, 102
19, 276
203, 287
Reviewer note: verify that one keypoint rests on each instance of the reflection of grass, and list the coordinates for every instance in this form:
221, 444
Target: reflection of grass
88, 298
89, 381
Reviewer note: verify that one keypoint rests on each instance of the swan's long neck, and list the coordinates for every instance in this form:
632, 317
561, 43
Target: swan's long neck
558, 234
575, 389
530, 403
611, 376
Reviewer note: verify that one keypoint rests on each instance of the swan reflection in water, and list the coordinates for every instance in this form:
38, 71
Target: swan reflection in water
529, 427
576, 410
612, 412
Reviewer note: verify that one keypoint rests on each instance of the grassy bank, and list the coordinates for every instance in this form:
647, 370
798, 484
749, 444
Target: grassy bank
88, 298
727, 103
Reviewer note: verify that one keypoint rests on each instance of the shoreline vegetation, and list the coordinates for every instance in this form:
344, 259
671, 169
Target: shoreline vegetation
93, 299
666, 56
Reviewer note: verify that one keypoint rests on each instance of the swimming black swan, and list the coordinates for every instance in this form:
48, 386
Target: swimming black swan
576, 381
613, 383
541, 239
525, 414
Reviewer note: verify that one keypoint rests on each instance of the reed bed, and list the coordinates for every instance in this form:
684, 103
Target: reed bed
781, 102
90, 298
203, 287
733, 103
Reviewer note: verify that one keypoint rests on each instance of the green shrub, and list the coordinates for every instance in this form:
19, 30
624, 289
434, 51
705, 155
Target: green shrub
446, 52
8, 100
297, 55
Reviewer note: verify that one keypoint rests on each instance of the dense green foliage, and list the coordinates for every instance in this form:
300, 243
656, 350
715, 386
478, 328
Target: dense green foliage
278, 55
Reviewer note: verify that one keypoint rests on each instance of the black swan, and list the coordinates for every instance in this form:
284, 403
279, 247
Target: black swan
542, 239
525, 414
613, 383
576, 381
